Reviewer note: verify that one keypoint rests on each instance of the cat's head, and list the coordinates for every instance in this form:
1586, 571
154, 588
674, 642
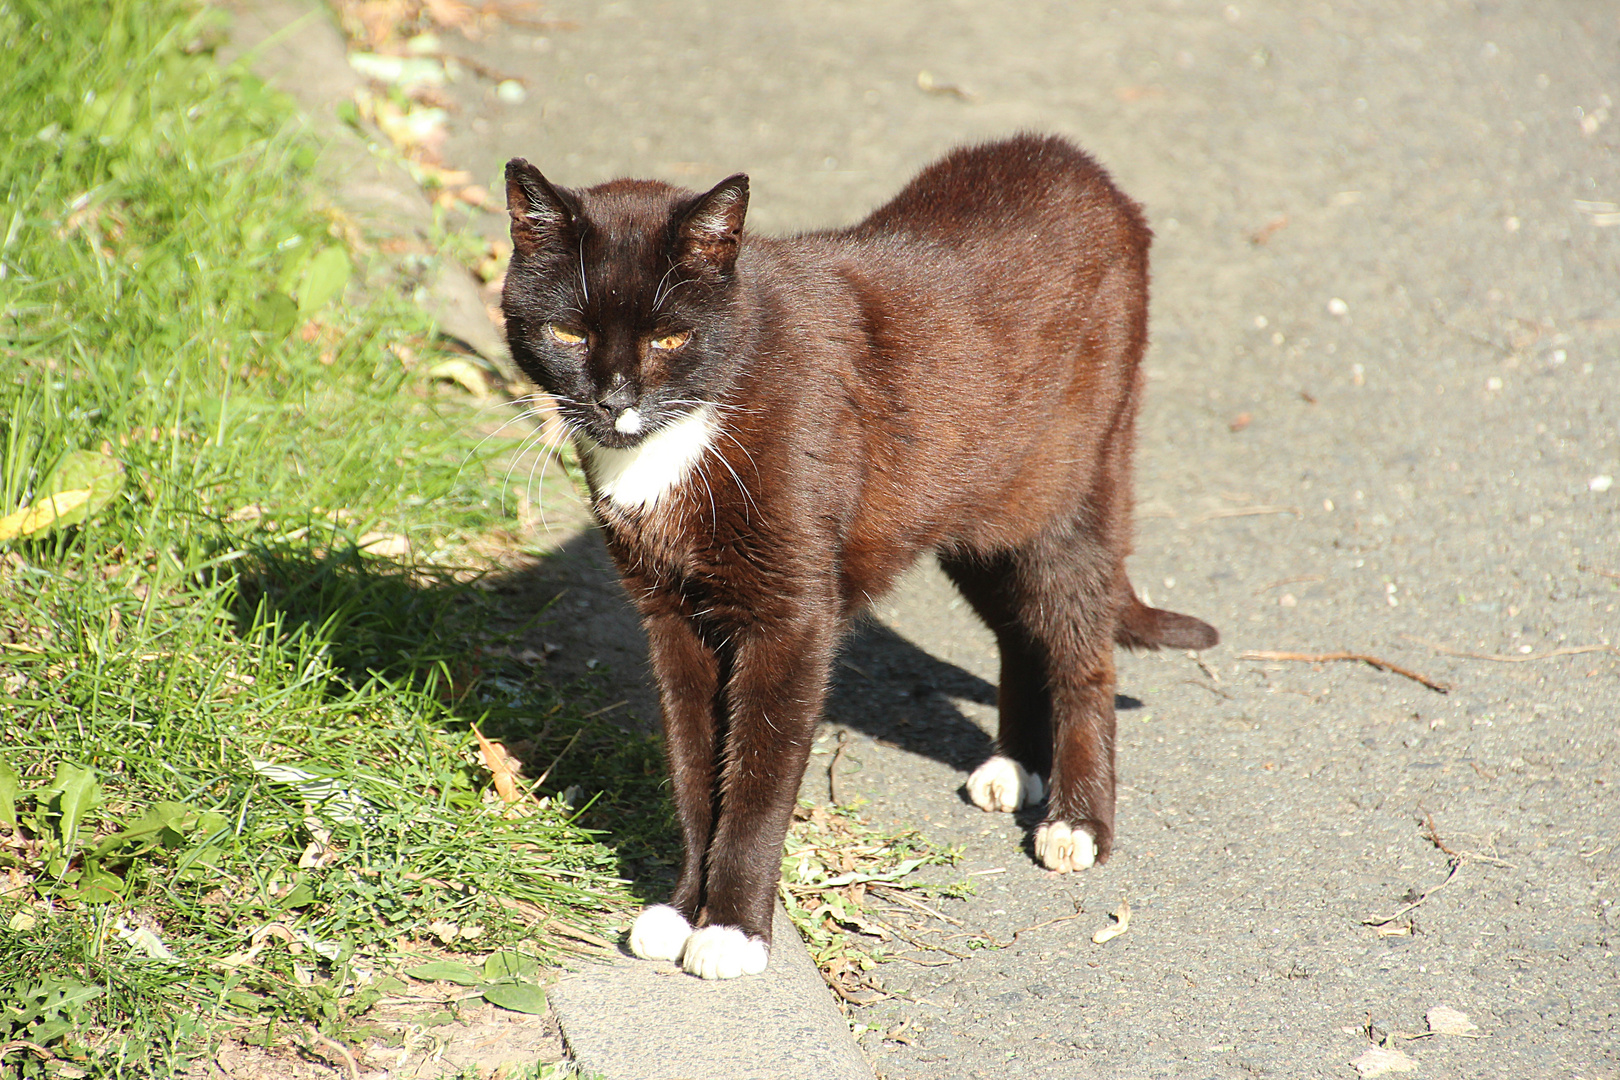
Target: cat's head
621, 300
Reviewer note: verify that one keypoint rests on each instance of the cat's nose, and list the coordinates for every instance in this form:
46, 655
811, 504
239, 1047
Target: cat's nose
617, 400
620, 406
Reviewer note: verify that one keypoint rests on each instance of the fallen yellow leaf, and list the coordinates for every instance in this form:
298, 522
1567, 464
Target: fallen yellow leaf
36, 518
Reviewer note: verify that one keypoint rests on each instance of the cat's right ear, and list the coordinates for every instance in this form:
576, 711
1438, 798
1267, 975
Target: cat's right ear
543, 217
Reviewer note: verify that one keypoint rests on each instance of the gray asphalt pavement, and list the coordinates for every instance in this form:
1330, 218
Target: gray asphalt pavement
1383, 418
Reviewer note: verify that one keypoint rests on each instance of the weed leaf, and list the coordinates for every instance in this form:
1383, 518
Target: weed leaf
10, 788
164, 823
328, 273
516, 996
510, 965
277, 315
72, 792
449, 971
99, 475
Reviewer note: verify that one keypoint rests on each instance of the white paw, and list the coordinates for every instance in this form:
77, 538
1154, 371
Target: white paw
724, 952
1064, 847
660, 933
1003, 784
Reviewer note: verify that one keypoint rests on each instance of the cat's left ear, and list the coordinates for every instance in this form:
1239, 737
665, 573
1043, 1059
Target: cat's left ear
712, 229
543, 216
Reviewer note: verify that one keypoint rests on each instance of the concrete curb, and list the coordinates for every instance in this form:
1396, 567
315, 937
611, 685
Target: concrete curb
643, 1020
627, 1019
294, 47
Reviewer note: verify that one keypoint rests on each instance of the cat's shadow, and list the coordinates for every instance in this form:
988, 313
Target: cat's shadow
883, 685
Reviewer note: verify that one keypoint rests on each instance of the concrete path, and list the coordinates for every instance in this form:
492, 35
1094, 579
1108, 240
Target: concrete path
1383, 418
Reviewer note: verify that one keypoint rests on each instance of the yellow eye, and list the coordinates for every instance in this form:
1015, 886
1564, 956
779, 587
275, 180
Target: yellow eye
565, 335
672, 341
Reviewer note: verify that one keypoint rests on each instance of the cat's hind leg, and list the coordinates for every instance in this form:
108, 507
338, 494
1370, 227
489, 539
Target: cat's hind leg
1068, 606
1012, 777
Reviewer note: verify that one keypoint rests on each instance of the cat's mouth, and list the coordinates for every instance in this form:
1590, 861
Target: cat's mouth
617, 428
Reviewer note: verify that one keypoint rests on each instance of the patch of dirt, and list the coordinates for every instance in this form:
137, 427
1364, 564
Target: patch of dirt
399, 1043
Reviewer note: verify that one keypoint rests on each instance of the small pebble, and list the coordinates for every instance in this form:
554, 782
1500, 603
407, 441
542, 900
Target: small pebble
511, 92
1338, 307
1493, 383
1600, 483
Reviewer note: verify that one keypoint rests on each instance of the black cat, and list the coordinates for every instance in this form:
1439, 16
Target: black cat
774, 430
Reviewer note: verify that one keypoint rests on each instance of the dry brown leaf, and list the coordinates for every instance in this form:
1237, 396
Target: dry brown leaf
462, 372
503, 768
1377, 1061
1121, 923
319, 849
1444, 1020
450, 13
385, 545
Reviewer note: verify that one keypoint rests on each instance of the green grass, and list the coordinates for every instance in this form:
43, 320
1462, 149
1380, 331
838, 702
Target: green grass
240, 786
220, 714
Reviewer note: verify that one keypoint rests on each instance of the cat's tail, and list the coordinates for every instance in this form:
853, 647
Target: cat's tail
1143, 627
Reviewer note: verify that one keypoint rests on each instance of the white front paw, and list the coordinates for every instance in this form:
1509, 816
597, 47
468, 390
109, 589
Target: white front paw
724, 952
1003, 784
660, 933
1064, 847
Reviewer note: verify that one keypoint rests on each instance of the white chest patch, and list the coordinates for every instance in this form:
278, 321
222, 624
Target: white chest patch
637, 478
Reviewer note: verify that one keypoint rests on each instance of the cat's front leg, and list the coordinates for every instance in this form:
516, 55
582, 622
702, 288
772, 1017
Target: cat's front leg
687, 672
777, 683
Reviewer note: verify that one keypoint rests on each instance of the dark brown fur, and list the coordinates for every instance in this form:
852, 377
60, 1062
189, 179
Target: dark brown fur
957, 374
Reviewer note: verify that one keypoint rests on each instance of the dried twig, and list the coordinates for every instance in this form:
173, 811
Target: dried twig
1322, 658
9, 1048
925, 963
1217, 691
1289, 581
1456, 864
1246, 511
993, 943
484, 71
913, 941
1078, 911
1432, 835
348, 1058
1502, 658
1264, 232
895, 895
834, 788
